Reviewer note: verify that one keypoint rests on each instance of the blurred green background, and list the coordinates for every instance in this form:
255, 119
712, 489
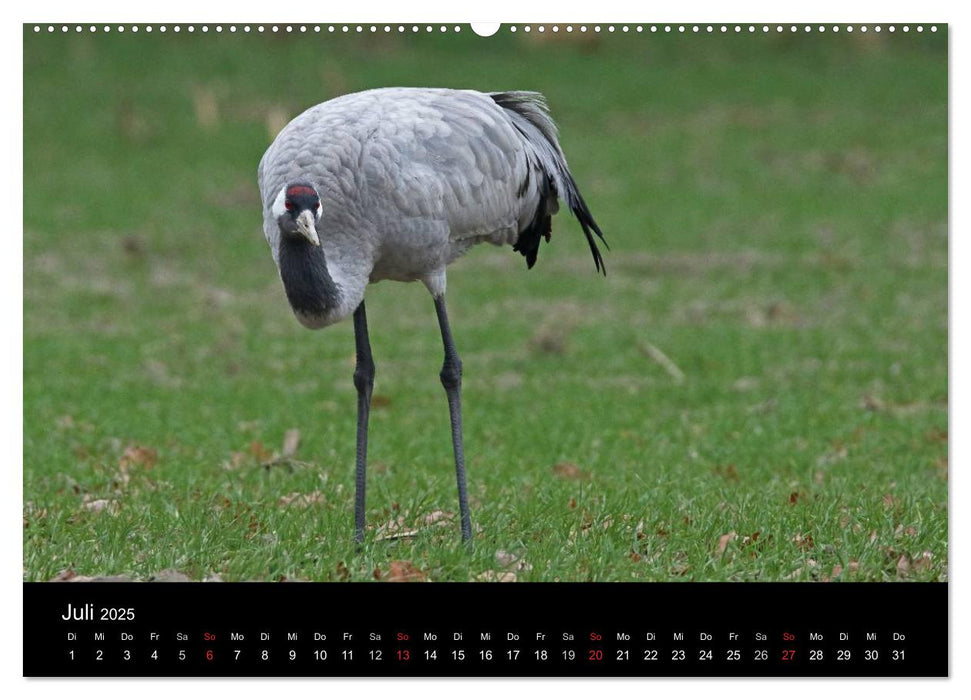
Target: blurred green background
757, 390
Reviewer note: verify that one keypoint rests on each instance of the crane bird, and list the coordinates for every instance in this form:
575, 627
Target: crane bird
395, 184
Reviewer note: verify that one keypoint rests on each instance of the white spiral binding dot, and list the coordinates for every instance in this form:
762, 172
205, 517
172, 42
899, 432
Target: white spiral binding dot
445, 29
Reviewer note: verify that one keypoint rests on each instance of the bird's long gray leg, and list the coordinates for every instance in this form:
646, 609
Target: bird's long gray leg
452, 381
364, 382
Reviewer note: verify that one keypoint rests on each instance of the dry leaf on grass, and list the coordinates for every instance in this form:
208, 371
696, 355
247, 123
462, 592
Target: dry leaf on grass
64, 575
654, 353
399, 535
32, 513
723, 542
753, 545
170, 576
96, 505
259, 451
394, 529
401, 571
291, 441
906, 565
236, 460
302, 499
491, 576
343, 573
923, 561
679, 566
136, 455
515, 562
900, 531
70, 576
567, 470
804, 541
438, 517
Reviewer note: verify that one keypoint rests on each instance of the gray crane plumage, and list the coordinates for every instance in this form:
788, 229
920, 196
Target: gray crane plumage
406, 181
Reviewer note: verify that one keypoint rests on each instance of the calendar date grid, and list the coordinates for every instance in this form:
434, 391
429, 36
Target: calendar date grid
402, 648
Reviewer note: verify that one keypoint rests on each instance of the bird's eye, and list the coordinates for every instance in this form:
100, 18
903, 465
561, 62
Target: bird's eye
288, 204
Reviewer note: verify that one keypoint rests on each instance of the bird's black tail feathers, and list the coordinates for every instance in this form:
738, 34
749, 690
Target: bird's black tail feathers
530, 115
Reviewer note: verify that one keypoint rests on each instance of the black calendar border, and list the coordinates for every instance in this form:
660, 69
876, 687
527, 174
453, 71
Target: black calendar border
917, 610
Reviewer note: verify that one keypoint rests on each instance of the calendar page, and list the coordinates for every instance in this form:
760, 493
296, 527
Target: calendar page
514, 350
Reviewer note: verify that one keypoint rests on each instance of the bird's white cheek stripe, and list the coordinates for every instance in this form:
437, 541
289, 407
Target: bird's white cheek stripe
279, 208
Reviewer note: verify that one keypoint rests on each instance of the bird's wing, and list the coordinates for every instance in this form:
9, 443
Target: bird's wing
448, 159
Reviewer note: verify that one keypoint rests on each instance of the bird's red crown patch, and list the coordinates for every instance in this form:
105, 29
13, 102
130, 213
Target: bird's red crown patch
300, 191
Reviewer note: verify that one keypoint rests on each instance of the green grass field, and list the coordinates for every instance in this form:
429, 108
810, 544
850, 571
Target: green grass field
776, 208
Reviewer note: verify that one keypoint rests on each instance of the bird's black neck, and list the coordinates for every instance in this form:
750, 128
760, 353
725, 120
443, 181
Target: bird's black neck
310, 289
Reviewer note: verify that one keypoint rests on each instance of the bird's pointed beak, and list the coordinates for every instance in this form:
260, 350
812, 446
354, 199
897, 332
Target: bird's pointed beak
307, 226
